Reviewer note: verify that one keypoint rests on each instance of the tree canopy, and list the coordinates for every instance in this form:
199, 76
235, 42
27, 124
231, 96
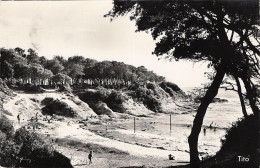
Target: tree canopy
29, 67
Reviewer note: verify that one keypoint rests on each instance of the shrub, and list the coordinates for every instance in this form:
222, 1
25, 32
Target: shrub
147, 98
8, 151
2, 137
6, 126
93, 96
30, 88
54, 161
2, 84
27, 145
173, 86
101, 108
134, 86
38, 150
150, 86
242, 140
4, 88
152, 103
29, 141
113, 99
59, 108
242, 136
65, 88
47, 100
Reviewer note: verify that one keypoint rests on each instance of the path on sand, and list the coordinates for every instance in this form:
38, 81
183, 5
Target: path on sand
75, 132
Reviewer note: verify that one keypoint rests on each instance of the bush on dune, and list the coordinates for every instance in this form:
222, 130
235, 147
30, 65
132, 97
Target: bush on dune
24, 144
173, 90
30, 144
151, 86
8, 151
102, 109
113, 99
4, 88
148, 97
242, 139
94, 96
47, 100
6, 126
65, 88
30, 88
57, 107
38, 150
56, 160
173, 86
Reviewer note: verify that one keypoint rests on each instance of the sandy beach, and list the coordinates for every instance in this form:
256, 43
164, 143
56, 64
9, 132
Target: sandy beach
148, 142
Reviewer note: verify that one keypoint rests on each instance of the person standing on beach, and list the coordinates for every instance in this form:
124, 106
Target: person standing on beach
90, 157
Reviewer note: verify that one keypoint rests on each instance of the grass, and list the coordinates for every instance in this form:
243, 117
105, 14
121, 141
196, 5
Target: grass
86, 147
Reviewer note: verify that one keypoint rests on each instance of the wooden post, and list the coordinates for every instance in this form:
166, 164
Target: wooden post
170, 122
134, 124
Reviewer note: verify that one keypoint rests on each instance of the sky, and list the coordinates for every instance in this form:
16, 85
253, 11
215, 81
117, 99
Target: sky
71, 28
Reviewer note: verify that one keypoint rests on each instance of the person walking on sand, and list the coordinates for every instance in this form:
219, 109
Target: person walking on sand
204, 131
36, 117
90, 157
18, 118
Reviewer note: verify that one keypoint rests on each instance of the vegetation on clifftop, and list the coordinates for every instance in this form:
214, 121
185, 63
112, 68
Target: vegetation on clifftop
19, 67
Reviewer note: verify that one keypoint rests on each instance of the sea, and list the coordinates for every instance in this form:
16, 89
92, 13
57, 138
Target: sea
220, 115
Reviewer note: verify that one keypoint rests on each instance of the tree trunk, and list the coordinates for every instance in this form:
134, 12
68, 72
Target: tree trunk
251, 95
239, 91
198, 120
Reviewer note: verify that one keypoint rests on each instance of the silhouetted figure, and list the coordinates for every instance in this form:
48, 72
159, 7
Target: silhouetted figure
171, 157
210, 126
90, 157
204, 131
36, 117
18, 118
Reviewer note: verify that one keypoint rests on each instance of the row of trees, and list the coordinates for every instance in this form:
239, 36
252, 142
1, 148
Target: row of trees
225, 34
28, 67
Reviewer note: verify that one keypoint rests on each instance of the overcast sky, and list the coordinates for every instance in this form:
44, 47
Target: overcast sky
79, 28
